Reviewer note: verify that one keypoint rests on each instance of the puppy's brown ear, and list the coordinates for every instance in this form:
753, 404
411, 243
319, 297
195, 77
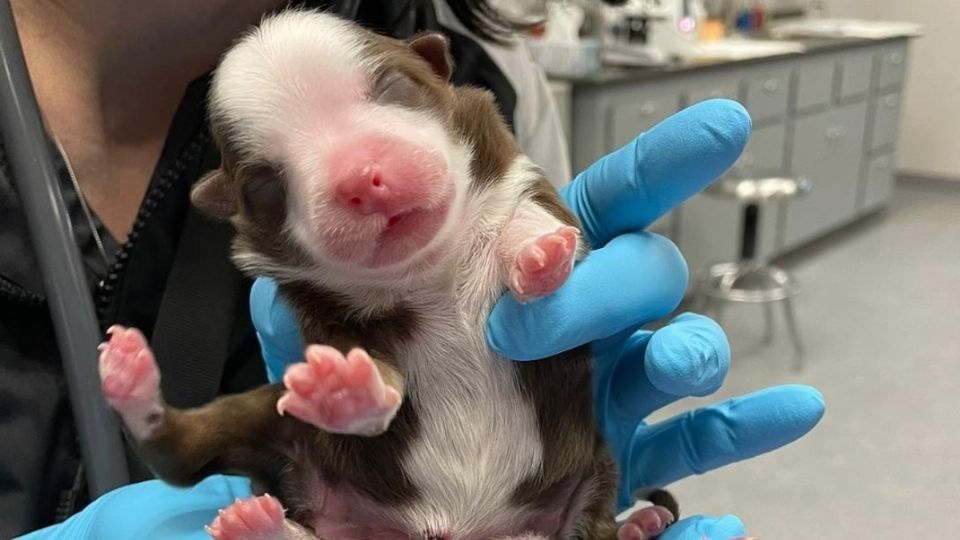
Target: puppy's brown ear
435, 49
213, 195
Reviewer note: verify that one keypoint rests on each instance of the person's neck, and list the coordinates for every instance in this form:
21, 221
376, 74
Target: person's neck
109, 76
124, 59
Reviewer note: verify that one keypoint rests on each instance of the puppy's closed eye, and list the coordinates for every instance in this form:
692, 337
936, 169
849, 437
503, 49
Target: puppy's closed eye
392, 87
264, 192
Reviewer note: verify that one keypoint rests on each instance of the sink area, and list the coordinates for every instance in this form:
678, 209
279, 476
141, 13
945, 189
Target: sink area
845, 28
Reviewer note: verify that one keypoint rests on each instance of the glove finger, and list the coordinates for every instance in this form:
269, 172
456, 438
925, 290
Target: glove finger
151, 509
705, 528
720, 434
635, 279
629, 189
174, 512
277, 328
688, 357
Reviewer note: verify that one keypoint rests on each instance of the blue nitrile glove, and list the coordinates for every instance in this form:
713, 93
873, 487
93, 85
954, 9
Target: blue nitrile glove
150, 509
631, 278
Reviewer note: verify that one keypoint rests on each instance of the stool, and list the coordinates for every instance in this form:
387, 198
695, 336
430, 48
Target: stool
753, 280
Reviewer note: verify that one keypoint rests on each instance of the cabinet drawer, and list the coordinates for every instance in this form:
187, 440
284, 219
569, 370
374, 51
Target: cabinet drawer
764, 153
703, 88
766, 95
891, 66
855, 70
813, 84
627, 120
878, 183
828, 150
886, 110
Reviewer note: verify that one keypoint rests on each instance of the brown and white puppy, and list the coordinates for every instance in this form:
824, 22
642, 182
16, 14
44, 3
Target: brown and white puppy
393, 210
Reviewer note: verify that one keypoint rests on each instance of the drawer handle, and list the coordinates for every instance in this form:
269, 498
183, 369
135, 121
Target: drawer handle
896, 59
836, 132
771, 86
647, 109
890, 101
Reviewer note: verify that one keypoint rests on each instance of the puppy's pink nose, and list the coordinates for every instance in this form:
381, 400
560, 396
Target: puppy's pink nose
367, 192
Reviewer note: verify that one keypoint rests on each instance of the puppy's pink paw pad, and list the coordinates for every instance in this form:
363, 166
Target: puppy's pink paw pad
128, 371
259, 518
339, 394
543, 264
645, 523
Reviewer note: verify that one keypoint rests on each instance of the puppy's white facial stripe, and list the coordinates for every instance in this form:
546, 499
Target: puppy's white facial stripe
283, 69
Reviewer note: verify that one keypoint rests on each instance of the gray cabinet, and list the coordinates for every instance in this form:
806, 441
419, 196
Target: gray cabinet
831, 115
711, 86
892, 66
628, 118
766, 91
813, 84
764, 154
854, 71
878, 183
828, 148
607, 117
886, 120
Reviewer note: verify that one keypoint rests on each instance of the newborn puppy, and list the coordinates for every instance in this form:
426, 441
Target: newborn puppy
392, 209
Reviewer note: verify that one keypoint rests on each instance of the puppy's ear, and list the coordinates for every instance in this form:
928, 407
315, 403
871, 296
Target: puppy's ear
214, 195
435, 49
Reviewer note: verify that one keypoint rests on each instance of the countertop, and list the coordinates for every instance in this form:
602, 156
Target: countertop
609, 74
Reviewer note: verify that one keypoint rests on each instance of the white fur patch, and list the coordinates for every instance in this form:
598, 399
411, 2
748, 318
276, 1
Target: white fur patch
265, 83
479, 435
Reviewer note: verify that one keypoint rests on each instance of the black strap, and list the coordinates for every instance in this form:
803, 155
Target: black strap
197, 313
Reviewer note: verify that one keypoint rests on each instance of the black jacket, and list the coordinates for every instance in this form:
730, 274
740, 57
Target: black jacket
172, 279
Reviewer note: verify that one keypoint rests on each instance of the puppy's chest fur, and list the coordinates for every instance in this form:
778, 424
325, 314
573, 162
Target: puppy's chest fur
467, 450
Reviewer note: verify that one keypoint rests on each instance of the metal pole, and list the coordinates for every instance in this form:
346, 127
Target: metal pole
67, 291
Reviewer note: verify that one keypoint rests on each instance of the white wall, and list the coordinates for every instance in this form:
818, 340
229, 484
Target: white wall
930, 136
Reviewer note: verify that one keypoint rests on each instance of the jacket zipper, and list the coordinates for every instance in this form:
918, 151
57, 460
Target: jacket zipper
107, 286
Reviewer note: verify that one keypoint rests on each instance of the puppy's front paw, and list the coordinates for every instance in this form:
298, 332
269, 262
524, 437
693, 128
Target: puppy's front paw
339, 394
543, 264
130, 379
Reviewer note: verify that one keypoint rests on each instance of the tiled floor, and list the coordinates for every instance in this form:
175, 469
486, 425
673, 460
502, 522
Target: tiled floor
880, 317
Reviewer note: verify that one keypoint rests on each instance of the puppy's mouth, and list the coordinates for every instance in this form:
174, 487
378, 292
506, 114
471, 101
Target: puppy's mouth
383, 241
406, 234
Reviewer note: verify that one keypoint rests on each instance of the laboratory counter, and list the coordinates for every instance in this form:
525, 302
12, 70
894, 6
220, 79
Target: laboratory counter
812, 46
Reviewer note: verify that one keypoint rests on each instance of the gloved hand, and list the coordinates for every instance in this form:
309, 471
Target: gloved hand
150, 509
631, 278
